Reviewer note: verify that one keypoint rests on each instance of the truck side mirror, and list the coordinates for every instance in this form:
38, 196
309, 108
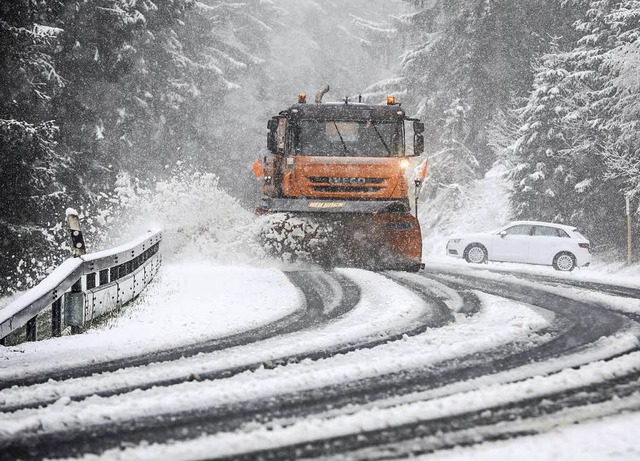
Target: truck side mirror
272, 143
418, 138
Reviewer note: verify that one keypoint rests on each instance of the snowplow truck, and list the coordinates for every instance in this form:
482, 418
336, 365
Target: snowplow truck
335, 185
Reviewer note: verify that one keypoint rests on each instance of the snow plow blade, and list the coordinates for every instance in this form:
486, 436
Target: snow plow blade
373, 241
304, 205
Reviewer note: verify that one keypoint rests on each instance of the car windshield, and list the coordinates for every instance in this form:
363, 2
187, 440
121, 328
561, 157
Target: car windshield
349, 138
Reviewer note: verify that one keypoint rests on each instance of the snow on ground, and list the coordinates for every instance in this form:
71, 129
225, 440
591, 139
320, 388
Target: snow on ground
186, 304
315, 428
384, 307
429, 348
613, 438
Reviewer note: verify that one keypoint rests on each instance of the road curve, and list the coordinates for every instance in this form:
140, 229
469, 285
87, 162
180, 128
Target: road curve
445, 360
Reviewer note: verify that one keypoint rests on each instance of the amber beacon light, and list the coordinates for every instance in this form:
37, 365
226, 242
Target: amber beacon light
302, 98
391, 100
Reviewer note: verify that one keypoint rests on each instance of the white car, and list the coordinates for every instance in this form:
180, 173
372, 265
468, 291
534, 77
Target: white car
530, 242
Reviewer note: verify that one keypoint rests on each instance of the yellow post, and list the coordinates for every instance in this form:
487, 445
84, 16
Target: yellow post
77, 240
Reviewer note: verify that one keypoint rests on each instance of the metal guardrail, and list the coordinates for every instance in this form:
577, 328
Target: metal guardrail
82, 289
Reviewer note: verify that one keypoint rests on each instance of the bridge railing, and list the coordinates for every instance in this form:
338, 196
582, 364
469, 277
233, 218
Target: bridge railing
82, 289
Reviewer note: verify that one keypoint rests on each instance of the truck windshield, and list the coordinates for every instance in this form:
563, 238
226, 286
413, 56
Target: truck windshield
365, 138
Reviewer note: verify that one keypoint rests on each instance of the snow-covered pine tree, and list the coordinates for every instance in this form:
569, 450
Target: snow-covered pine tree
563, 173
228, 120
622, 148
32, 166
380, 39
477, 51
128, 83
548, 183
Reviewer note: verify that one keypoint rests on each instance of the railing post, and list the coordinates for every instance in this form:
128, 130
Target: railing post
32, 329
74, 307
56, 318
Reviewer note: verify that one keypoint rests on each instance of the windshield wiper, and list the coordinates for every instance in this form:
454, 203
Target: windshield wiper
381, 138
341, 140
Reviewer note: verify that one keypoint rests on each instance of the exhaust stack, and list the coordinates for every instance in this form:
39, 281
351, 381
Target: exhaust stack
319, 96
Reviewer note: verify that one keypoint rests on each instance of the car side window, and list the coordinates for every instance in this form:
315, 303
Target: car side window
520, 229
544, 231
562, 233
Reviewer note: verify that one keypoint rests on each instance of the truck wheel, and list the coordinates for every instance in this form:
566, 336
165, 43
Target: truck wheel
475, 253
564, 262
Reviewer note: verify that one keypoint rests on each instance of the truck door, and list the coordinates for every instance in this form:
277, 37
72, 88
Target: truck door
278, 159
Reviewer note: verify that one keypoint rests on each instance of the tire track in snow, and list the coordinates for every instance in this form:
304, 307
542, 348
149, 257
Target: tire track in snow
526, 416
326, 445
561, 282
316, 286
558, 281
589, 321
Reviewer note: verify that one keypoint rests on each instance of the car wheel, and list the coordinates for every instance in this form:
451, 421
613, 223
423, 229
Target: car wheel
475, 253
564, 262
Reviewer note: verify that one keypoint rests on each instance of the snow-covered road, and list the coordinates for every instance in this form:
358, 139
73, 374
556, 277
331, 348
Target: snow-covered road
229, 362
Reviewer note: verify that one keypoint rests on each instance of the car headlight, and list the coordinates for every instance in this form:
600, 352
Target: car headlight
455, 240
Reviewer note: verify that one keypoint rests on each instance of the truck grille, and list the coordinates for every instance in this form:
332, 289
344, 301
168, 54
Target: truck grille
344, 181
347, 189
337, 184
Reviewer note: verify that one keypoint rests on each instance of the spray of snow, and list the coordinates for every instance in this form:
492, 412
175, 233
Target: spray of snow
200, 221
